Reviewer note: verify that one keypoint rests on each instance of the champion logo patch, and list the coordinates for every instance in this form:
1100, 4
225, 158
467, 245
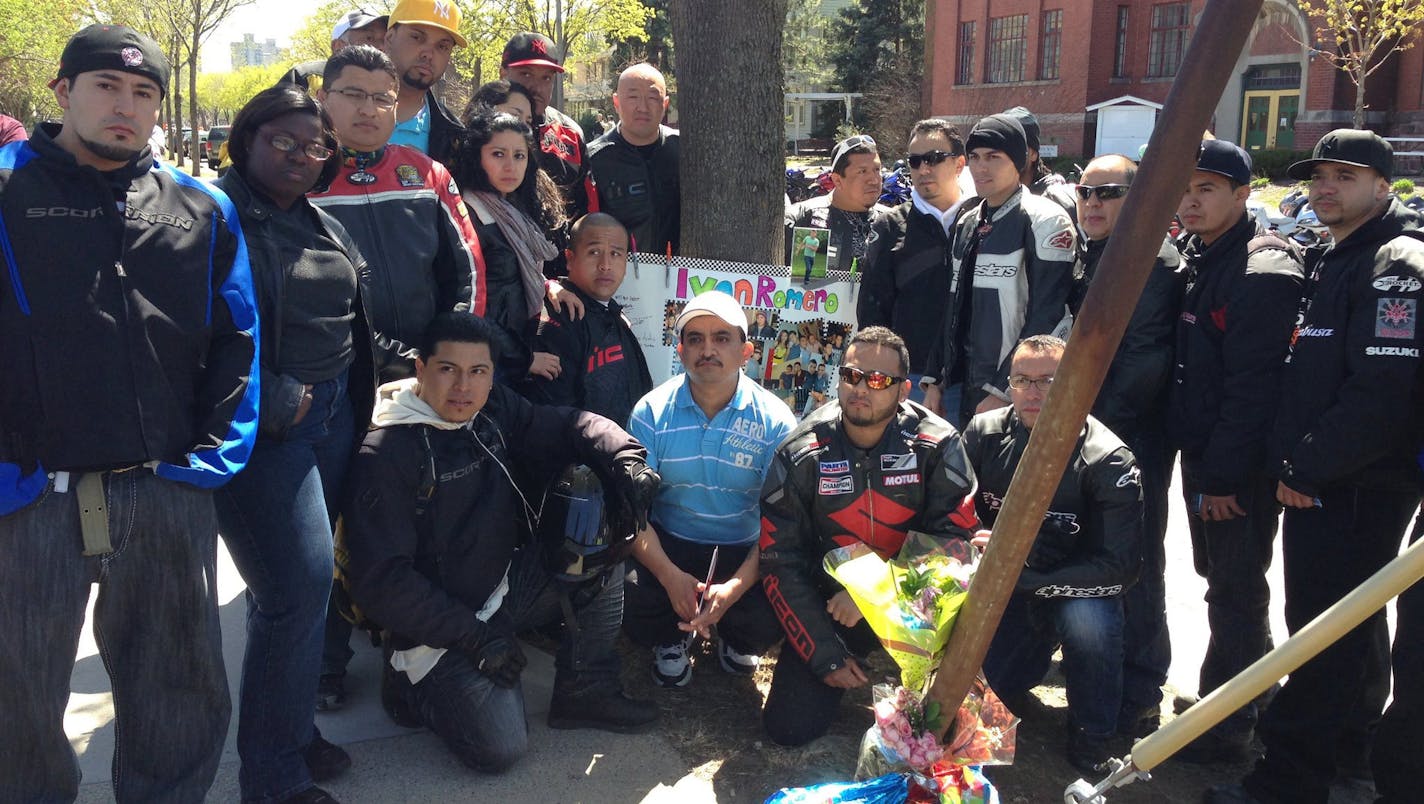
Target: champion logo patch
835, 467
1395, 318
837, 485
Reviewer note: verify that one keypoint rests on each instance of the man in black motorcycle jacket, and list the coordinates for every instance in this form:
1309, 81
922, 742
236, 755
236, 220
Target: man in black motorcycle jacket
1087, 554
861, 471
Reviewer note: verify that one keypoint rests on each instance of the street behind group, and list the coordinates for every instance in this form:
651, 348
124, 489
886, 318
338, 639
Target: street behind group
384, 347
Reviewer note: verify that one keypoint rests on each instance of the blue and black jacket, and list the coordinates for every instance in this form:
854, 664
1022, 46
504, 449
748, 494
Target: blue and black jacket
127, 321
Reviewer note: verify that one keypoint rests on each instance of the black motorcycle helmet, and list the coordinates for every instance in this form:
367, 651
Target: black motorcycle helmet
573, 533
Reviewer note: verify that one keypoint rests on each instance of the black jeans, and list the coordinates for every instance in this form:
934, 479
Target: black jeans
749, 627
1328, 552
800, 706
1399, 741
1147, 645
1233, 557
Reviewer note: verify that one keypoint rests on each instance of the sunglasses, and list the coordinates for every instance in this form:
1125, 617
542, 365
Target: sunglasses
1104, 192
857, 141
285, 144
930, 158
876, 380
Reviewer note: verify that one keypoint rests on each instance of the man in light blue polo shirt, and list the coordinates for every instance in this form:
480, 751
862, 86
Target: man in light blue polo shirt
711, 434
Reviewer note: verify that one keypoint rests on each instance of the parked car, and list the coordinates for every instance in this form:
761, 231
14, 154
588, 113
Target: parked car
212, 146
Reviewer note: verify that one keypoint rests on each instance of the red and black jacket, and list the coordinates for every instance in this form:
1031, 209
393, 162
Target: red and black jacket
822, 492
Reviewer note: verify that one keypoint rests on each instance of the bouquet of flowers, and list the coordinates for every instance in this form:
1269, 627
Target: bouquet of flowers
911, 603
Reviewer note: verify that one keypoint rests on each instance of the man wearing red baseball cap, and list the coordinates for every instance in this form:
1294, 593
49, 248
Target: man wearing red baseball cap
533, 61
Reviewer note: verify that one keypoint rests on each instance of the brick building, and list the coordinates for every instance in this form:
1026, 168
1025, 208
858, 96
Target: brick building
1095, 72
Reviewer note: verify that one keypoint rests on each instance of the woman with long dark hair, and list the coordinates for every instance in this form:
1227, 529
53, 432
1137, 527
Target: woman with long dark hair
514, 204
502, 96
317, 382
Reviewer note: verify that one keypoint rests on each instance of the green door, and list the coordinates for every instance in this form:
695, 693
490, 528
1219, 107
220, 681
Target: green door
1286, 108
1257, 123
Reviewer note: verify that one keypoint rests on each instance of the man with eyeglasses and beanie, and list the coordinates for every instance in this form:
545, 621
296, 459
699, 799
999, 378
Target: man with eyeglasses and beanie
1132, 404
1087, 554
905, 275
421, 36
1012, 264
850, 209
405, 213
710, 432
862, 472
1345, 457
128, 321
1243, 288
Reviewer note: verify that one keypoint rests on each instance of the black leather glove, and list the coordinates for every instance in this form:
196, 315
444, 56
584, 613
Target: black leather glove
495, 652
634, 484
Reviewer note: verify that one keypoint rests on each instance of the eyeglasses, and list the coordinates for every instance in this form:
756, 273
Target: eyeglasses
930, 158
286, 145
1021, 382
1104, 192
384, 100
876, 380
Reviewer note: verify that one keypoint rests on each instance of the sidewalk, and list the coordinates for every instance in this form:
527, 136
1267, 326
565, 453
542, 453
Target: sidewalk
392, 764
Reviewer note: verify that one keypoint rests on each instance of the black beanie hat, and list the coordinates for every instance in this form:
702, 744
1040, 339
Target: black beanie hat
1002, 133
113, 47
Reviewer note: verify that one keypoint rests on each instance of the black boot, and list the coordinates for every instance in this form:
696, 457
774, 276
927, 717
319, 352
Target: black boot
396, 700
608, 711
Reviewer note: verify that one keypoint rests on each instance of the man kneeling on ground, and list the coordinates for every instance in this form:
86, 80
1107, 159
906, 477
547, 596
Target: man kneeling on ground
1087, 554
433, 528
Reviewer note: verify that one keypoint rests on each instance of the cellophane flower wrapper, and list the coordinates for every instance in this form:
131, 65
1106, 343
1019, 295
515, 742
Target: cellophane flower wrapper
887, 789
984, 730
951, 783
913, 629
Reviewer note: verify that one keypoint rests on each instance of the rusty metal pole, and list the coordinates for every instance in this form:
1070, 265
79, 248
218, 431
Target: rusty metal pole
1219, 37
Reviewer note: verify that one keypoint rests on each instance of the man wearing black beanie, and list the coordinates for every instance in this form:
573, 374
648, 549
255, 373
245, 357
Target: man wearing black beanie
1011, 265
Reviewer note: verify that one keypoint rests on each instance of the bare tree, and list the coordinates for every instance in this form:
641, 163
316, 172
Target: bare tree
195, 21
1365, 33
730, 112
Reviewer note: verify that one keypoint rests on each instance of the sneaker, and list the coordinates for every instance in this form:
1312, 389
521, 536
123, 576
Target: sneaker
738, 664
325, 760
311, 795
607, 712
330, 692
1212, 748
671, 665
1086, 753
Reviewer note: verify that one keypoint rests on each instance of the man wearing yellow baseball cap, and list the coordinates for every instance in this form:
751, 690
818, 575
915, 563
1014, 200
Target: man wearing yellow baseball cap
421, 36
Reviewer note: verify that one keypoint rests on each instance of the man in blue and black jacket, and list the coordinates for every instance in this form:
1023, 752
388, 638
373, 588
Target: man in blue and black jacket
129, 392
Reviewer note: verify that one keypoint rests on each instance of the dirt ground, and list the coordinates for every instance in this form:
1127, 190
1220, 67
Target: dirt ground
715, 724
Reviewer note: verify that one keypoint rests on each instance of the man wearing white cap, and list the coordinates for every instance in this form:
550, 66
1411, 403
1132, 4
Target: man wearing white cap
360, 27
711, 433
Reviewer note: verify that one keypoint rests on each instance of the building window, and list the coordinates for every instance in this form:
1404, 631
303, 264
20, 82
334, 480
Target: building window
1120, 44
1171, 26
1008, 37
966, 53
1051, 35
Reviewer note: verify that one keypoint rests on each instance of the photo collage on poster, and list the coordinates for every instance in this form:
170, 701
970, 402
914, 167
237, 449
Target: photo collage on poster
795, 359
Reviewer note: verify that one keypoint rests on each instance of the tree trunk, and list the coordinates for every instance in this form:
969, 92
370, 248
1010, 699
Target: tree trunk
731, 119
1360, 80
196, 151
176, 82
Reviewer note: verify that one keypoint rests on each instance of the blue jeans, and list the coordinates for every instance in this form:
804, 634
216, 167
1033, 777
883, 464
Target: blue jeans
276, 519
1090, 631
482, 723
156, 623
587, 658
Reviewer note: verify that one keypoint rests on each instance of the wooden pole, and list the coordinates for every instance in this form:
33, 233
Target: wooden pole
1165, 172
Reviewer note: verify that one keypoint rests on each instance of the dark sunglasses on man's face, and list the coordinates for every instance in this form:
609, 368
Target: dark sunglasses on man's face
876, 380
930, 158
1104, 192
